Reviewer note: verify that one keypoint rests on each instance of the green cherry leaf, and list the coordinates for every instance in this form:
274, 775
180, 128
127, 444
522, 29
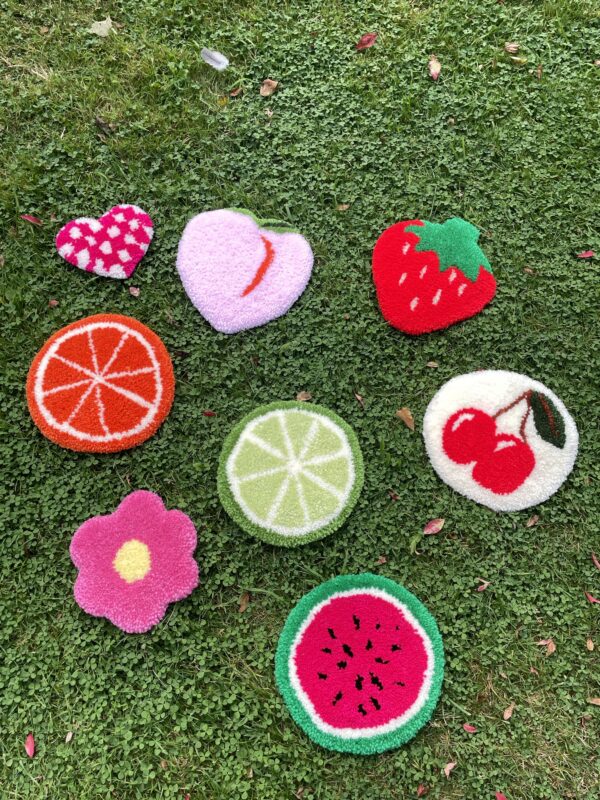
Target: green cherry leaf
548, 420
455, 244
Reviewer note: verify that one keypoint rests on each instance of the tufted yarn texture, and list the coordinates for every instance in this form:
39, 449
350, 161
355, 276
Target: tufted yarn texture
241, 272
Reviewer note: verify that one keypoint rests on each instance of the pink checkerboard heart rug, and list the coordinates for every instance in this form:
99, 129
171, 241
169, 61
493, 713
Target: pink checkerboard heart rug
111, 246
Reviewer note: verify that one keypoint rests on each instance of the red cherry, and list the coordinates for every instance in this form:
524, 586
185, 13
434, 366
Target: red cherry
505, 467
469, 435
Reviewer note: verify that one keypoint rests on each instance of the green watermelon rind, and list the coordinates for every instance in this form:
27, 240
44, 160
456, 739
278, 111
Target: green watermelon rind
272, 537
377, 743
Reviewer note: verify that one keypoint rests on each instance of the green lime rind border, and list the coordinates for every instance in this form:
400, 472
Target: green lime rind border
275, 225
271, 537
379, 742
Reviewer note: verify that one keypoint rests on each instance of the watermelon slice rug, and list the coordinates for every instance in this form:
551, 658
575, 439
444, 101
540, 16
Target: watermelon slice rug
134, 562
290, 473
500, 438
360, 664
102, 384
111, 246
239, 271
429, 276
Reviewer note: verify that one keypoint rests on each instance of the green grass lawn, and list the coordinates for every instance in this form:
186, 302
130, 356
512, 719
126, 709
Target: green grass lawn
192, 706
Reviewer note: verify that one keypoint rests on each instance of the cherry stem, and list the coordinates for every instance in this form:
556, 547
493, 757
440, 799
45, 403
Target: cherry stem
525, 396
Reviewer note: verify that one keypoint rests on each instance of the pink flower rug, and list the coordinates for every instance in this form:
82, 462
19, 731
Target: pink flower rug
134, 562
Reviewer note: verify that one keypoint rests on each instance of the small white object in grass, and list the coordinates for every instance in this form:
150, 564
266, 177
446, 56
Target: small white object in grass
102, 28
214, 59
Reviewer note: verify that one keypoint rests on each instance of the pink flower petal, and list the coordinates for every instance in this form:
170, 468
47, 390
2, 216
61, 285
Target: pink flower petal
586, 254
434, 526
469, 728
30, 745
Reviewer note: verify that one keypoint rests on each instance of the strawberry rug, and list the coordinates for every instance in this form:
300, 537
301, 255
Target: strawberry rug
241, 272
429, 276
500, 438
134, 562
102, 384
360, 664
290, 473
111, 246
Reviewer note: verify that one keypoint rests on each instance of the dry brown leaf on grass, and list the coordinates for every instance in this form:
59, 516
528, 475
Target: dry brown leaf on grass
548, 644
449, 767
244, 601
366, 40
343, 207
405, 414
68, 737
434, 67
236, 92
511, 47
595, 560
508, 712
381, 560
101, 28
268, 87
432, 364
134, 291
595, 701
590, 645
360, 399
303, 397
532, 521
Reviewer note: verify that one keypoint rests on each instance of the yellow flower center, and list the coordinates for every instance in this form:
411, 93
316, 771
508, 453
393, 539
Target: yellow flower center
132, 561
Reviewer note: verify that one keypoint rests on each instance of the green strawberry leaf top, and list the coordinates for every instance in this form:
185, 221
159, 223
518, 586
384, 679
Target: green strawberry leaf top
455, 243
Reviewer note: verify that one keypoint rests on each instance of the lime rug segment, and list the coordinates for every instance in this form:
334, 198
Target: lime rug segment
290, 473
360, 664
500, 438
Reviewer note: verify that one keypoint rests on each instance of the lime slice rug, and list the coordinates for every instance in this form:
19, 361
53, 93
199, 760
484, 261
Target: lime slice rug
290, 473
